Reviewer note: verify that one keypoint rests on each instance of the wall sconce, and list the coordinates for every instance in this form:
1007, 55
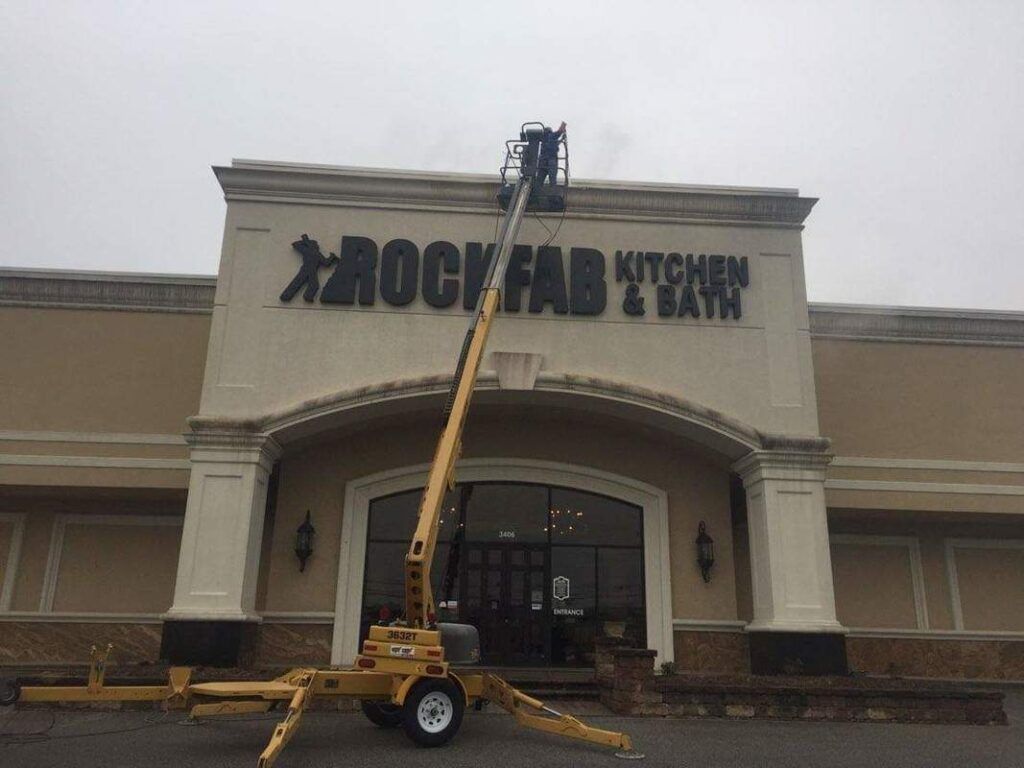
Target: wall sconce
705, 552
304, 541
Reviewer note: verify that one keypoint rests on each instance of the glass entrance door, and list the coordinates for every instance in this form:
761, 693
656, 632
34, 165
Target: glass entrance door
541, 571
503, 595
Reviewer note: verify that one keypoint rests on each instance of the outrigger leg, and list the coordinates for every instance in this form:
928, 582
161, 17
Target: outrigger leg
287, 727
518, 704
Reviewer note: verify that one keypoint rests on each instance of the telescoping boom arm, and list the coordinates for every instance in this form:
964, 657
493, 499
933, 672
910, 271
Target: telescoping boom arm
419, 600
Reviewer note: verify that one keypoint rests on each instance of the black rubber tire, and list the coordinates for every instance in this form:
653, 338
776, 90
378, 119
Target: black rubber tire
382, 713
10, 692
420, 691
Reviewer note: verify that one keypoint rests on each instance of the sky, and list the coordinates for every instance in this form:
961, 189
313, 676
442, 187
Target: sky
904, 118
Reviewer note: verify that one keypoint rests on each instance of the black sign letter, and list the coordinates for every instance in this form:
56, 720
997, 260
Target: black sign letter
588, 292
738, 272
666, 300
516, 278
549, 281
624, 267
477, 262
399, 272
358, 264
435, 256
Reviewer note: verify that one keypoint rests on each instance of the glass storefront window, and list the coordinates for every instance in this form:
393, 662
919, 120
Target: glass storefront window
578, 517
540, 571
507, 513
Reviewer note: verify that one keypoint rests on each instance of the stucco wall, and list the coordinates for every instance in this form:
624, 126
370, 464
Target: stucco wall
314, 478
117, 568
873, 586
131, 570
921, 401
97, 371
267, 354
991, 585
990, 579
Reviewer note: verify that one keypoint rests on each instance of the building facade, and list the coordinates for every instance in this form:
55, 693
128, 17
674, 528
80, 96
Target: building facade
655, 367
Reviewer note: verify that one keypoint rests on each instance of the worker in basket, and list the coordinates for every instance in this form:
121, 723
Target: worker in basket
548, 162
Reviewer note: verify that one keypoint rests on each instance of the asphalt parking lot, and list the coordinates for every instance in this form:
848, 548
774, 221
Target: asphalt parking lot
91, 738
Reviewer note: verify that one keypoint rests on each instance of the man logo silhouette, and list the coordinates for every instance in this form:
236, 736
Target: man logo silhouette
312, 261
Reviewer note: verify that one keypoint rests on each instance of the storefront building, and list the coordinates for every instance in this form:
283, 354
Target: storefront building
656, 367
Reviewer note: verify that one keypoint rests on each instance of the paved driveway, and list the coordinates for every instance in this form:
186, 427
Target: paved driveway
93, 739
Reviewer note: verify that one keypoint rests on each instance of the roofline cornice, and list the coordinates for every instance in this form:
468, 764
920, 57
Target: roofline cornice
138, 292
316, 184
859, 322
141, 292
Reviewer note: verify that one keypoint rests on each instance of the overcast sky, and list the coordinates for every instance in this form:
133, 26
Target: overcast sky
905, 118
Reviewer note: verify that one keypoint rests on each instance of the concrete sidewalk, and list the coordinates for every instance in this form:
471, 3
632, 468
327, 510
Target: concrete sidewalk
92, 739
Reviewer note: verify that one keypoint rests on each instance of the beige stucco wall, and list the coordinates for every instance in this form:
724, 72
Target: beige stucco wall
921, 401
992, 598
108, 561
99, 371
117, 568
314, 478
991, 585
267, 355
96, 375
873, 586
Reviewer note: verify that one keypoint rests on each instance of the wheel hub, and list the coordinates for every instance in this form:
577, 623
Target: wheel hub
434, 712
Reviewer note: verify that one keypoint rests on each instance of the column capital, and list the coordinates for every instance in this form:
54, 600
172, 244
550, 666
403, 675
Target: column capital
234, 446
784, 463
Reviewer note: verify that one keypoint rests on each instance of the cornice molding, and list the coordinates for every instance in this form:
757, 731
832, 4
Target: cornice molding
917, 325
233, 445
106, 290
781, 464
284, 182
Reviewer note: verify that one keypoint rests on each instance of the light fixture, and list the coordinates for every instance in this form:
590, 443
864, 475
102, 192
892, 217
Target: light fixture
304, 541
705, 552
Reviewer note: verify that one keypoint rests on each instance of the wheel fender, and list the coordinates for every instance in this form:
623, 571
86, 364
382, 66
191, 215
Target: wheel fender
404, 688
411, 680
462, 687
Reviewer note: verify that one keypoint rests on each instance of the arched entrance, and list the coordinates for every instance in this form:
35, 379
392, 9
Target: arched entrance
540, 570
541, 556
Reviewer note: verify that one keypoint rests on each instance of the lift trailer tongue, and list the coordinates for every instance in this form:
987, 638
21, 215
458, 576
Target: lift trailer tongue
408, 673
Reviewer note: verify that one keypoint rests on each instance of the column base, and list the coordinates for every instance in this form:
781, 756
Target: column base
209, 643
797, 653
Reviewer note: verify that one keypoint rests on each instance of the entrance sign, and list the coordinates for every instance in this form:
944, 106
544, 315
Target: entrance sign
560, 588
670, 284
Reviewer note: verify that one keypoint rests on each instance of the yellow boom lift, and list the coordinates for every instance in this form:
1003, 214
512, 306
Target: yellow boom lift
414, 672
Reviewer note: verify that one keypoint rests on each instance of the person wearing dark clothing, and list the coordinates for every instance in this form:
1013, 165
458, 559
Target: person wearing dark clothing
548, 162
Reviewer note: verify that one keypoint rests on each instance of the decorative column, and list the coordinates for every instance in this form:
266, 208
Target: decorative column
213, 617
794, 630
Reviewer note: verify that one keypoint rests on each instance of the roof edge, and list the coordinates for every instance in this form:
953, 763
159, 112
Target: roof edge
266, 181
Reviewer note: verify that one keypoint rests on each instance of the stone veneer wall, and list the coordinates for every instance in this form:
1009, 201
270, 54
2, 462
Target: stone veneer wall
284, 645
715, 652
54, 642
628, 686
276, 644
929, 657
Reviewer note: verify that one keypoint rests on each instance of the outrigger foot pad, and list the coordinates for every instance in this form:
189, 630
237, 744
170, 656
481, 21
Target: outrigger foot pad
630, 754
